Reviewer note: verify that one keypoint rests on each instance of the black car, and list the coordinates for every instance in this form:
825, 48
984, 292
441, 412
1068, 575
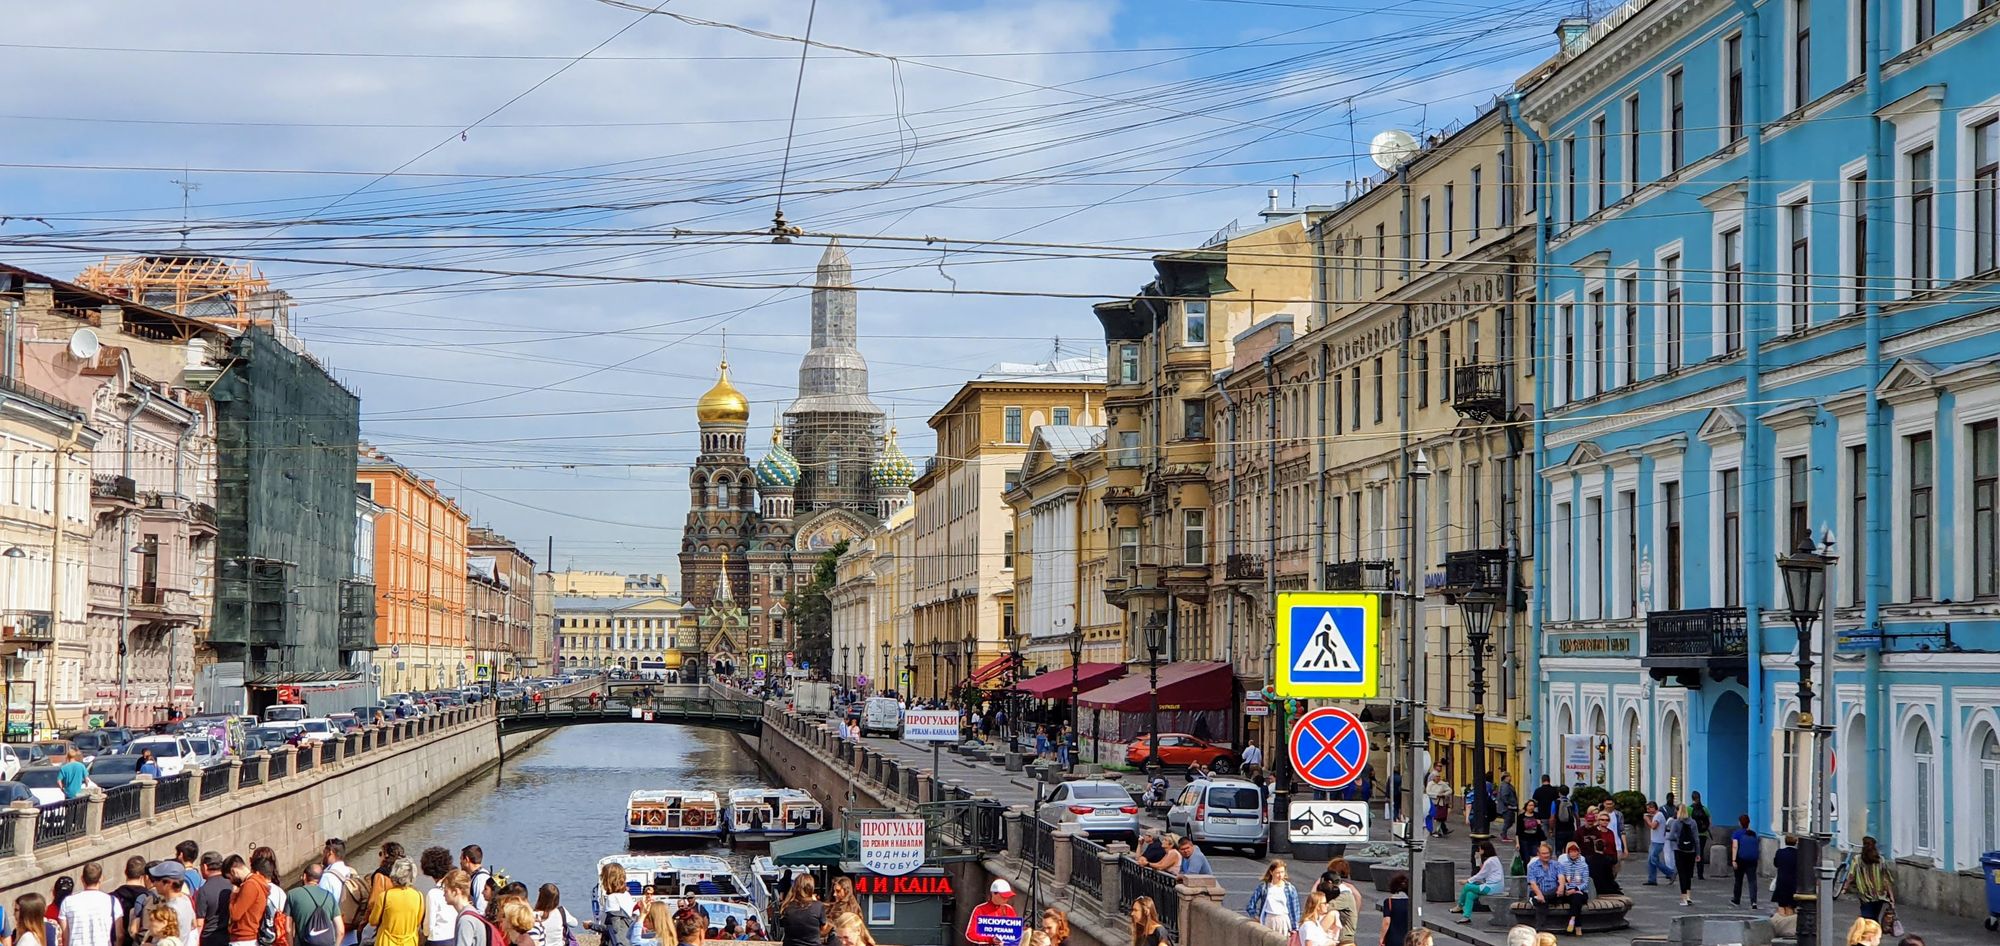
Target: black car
11, 792
111, 771
95, 742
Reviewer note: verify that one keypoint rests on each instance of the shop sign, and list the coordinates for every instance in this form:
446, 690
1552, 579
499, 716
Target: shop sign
892, 846
1591, 645
1254, 705
877, 885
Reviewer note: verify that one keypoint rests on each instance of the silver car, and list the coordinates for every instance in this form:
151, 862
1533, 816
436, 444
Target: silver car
1222, 812
1100, 809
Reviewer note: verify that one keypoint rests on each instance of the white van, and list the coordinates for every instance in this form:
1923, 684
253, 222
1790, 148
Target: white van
881, 714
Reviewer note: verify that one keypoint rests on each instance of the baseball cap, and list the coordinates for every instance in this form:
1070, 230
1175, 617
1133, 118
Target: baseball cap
167, 870
1002, 888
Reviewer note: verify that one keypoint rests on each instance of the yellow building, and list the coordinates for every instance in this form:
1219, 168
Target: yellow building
964, 530
609, 584
420, 578
633, 634
1060, 552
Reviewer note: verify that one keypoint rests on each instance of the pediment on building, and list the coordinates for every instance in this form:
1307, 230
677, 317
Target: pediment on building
1906, 376
1587, 455
1722, 423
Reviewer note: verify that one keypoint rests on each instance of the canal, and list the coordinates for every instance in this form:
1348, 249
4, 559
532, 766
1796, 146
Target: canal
550, 812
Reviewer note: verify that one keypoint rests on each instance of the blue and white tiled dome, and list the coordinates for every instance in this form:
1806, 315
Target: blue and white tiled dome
778, 469
891, 469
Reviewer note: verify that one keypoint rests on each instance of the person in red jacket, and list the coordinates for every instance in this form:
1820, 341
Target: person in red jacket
996, 905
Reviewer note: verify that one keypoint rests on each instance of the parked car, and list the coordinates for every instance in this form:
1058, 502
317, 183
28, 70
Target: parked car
1224, 812
1180, 750
173, 753
11, 792
96, 742
111, 771
42, 783
281, 734
284, 712
1099, 808
207, 751
10, 763
344, 723
318, 729
52, 749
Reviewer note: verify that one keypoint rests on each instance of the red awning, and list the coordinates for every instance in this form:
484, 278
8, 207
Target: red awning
1055, 684
1183, 686
991, 670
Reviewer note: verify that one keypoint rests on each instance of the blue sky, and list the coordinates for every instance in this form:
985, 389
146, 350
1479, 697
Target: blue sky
465, 296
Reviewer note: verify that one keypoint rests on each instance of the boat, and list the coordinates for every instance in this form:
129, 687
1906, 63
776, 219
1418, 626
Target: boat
673, 813
764, 813
703, 876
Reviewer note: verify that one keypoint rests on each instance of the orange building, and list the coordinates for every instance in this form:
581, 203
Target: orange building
420, 583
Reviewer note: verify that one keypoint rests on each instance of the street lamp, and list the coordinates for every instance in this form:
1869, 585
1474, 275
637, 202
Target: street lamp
1478, 608
1156, 633
1805, 574
971, 653
1075, 671
937, 650
909, 664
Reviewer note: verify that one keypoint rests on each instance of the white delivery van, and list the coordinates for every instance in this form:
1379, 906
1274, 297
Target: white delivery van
881, 714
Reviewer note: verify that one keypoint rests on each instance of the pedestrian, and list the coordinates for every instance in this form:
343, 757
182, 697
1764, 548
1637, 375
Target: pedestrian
1055, 926
1545, 886
247, 902
315, 913
170, 890
842, 901
133, 897
469, 927
162, 926
187, 855
517, 920
1274, 904
802, 917
398, 916
1785, 874
1487, 878
1657, 862
1743, 852
1364, 786
1146, 928
1872, 884
1864, 932
1253, 755
1613, 821
348, 887
472, 860
1170, 855
1395, 794
1531, 832
147, 765
1687, 842
691, 929
73, 776
440, 920
1602, 858
1337, 882
1396, 910
27, 932
1066, 746
656, 919
1703, 824
1042, 743
1510, 806
378, 885
850, 930
1317, 923
1193, 862
89, 917
1437, 820
211, 903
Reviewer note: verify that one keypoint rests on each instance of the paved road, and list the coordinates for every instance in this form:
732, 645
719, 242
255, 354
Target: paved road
1653, 907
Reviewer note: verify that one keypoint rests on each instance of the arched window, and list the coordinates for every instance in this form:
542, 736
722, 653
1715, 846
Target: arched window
1989, 790
1920, 750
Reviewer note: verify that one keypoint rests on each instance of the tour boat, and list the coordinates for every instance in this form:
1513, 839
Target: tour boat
703, 876
764, 813
675, 813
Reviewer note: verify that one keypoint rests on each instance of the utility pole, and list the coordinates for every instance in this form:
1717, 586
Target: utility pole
1416, 489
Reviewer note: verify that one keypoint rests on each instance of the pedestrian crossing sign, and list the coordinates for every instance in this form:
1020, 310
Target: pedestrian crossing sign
1326, 644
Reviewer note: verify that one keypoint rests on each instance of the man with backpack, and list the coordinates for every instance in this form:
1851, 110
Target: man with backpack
471, 860
473, 928
315, 913
1562, 820
350, 889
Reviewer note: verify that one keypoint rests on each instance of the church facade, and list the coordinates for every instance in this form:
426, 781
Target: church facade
754, 530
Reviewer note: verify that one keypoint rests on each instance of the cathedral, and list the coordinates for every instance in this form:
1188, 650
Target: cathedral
830, 472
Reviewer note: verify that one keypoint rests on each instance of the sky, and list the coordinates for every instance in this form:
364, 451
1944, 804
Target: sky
523, 231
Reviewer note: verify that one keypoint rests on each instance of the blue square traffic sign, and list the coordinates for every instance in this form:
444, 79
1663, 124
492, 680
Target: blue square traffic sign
1327, 644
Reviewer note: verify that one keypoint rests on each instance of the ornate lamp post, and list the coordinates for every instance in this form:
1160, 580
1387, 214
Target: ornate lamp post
909, 664
1156, 634
971, 646
1805, 574
1075, 671
1478, 608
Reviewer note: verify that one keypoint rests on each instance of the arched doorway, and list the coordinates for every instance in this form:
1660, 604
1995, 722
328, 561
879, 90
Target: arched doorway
1565, 726
1724, 776
1673, 742
1600, 736
1850, 771
1986, 788
1634, 771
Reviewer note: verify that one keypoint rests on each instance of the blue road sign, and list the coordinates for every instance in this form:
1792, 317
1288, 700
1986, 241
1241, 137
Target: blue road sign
1329, 748
1326, 644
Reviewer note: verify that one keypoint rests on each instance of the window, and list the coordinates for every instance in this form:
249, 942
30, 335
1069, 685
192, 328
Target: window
1477, 196
1628, 552
1676, 120
1732, 290
1565, 564
1799, 221
1925, 12
1732, 538
1801, 53
1593, 558
1128, 550
1919, 527
1986, 196
1381, 255
1378, 390
1862, 20
1356, 398
1598, 355
1628, 331
1670, 499
1631, 144
1473, 516
1424, 225
1923, 202
1572, 196
1128, 364
1985, 503
1059, 416
1194, 536
1449, 212
1923, 759
1007, 550
1194, 318
1128, 448
1857, 523
1010, 479
1732, 65
1013, 416
1444, 365
1566, 369
1798, 518
1857, 250
1600, 148
1423, 373
1670, 273
1194, 420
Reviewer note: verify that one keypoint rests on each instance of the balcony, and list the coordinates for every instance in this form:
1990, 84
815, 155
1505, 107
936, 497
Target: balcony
1483, 571
1363, 575
161, 608
27, 630
1689, 644
116, 490
1480, 391
1243, 566
202, 515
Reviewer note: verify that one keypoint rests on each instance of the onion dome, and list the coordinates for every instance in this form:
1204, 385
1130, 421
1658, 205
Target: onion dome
779, 469
891, 469
723, 404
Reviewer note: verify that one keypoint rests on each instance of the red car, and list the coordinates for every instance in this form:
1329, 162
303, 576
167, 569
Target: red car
1180, 750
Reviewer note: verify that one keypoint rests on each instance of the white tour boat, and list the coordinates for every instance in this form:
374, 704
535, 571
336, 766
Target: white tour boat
673, 813
765, 813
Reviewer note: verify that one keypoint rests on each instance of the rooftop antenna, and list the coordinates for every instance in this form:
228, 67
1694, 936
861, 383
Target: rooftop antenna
1295, 188
187, 186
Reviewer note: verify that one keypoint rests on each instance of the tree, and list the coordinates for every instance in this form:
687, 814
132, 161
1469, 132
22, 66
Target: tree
812, 614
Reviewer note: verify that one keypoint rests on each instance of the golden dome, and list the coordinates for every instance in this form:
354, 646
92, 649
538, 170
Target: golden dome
723, 404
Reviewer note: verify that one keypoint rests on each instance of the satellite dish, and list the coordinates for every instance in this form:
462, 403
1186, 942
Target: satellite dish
1391, 148
84, 344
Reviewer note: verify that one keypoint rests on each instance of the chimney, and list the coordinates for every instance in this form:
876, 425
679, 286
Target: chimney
38, 295
1570, 31
1273, 206
111, 318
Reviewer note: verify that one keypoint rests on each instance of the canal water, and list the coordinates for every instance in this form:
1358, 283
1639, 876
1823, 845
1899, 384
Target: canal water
550, 812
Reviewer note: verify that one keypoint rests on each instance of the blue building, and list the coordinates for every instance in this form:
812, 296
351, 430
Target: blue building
1767, 315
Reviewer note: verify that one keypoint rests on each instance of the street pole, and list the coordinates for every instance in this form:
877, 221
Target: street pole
1155, 626
1413, 628
1478, 609
1075, 671
1806, 573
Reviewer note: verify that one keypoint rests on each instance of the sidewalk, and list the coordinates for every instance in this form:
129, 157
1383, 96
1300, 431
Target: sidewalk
1652, 907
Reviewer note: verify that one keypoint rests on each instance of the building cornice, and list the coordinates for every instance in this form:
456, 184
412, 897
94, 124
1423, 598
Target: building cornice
1632, 34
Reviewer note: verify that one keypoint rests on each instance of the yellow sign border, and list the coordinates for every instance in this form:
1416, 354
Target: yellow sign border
1371, 633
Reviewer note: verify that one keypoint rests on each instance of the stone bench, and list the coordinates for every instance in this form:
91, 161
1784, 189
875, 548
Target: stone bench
1600, 914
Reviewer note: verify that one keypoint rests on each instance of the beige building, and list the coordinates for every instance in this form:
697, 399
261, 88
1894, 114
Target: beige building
964, 529
635, 634
1060, 552
609, 584
1424, 292
500, 581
